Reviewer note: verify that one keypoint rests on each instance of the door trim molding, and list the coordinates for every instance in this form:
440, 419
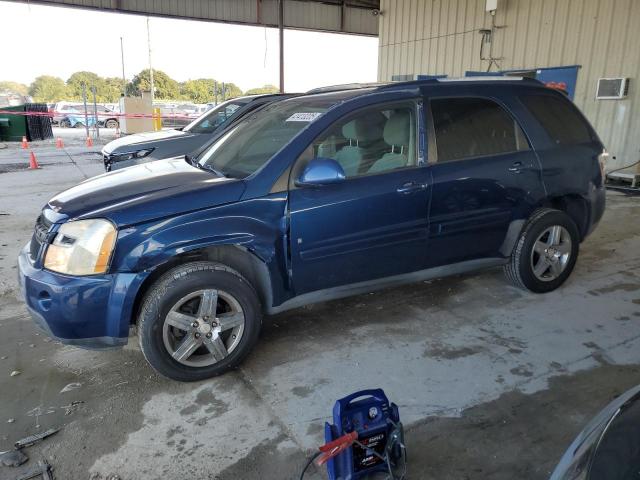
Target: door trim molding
386, 282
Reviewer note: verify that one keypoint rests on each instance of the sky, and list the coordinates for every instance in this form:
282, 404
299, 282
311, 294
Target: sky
184, 49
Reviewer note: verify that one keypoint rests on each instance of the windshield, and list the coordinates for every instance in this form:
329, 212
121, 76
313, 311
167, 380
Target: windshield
253, 141
213, 118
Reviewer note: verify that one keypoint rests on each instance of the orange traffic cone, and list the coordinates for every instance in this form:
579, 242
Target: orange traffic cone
33, 163
25, 144
59, 143
89, 142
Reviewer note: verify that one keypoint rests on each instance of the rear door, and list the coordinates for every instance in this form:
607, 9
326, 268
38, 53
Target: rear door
486, 179
373, 224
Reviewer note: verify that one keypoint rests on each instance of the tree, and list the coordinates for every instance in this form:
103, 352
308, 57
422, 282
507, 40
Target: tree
46, 88
231, 90
89, 79
112, 89
14, 87
263, 90
165, 86
198, 91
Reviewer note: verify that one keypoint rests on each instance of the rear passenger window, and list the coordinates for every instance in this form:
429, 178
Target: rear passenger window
473, 127
559, 118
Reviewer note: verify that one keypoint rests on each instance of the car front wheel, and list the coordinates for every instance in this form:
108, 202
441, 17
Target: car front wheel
198, 320
546, 252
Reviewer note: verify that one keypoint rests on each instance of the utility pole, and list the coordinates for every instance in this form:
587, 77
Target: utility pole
281, 32
86, 113
124, 80
95, 111
150, 67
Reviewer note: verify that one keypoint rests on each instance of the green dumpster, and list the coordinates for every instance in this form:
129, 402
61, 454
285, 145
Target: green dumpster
12, 127
36, 126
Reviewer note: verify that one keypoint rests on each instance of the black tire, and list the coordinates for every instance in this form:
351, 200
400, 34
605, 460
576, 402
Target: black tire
111, 123
519, 270
175, 285
65, 123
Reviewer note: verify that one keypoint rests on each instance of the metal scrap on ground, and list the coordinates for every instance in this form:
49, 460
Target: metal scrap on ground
32, 439
43, 469
13, 458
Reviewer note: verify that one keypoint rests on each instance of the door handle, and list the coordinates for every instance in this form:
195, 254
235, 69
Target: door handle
516, 167
411, 187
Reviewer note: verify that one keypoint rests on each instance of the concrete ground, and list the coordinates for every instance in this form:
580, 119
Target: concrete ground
491, 381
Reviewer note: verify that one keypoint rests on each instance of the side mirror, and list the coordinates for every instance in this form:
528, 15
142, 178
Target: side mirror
321, 171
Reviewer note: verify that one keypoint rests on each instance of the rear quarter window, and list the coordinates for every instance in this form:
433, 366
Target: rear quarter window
560, 118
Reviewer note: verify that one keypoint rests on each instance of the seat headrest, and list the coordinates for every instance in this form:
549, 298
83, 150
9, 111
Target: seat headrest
396, 130
364, 129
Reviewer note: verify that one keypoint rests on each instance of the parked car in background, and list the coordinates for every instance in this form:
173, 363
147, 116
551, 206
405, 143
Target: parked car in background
173, 116
12, 99
149, 146
310, 199
69, 115
609, 446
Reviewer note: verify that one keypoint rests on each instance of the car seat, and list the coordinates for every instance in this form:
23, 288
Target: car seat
396, 134
359, 132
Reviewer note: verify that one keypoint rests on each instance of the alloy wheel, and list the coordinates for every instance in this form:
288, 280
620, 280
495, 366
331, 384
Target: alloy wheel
551, 253
203, 328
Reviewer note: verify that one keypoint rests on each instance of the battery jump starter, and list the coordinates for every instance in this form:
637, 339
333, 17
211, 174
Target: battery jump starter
366, 438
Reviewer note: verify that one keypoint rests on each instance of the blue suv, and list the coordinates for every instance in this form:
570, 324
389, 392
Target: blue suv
314, 198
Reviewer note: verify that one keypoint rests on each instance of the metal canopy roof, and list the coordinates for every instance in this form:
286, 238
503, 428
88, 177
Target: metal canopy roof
342, 16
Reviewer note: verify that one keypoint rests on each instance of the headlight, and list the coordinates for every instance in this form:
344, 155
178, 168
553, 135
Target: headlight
121, 157
82, 247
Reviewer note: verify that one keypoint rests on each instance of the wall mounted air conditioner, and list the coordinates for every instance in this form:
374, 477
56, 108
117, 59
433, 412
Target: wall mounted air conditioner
612, 88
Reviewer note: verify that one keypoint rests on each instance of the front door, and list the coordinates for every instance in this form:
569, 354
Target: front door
374, 223
484, 179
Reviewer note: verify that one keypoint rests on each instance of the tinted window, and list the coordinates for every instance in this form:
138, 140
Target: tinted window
372, 141
560, 119
209, 122
472, 127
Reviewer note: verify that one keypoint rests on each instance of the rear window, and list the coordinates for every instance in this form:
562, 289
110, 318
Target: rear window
560, 118
474, 127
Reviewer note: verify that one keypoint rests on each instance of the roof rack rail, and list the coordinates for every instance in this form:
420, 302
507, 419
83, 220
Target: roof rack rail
486, 78
345, 86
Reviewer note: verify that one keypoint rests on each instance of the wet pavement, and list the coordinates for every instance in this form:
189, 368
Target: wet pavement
492, 381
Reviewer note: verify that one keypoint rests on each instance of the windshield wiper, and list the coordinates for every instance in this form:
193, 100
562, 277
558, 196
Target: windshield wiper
205, 166
191, 160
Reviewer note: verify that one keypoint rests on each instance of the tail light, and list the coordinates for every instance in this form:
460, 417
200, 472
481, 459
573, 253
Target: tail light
602, 161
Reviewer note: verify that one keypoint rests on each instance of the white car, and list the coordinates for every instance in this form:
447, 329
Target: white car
71, 114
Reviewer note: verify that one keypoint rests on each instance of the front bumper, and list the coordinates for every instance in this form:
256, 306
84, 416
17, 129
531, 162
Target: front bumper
90, 312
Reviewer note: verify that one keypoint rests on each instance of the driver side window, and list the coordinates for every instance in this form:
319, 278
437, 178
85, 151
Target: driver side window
372, 141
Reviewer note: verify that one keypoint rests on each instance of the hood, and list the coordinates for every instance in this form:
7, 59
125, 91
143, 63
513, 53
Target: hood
146, 192
143, 140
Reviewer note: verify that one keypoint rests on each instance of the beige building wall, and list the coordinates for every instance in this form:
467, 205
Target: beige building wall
602, 36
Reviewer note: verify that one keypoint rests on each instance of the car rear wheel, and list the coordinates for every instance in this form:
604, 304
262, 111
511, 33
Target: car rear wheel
546, 252
198, 320
111, 123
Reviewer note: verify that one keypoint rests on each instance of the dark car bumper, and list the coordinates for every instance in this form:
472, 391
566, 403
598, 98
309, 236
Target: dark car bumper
90, 312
